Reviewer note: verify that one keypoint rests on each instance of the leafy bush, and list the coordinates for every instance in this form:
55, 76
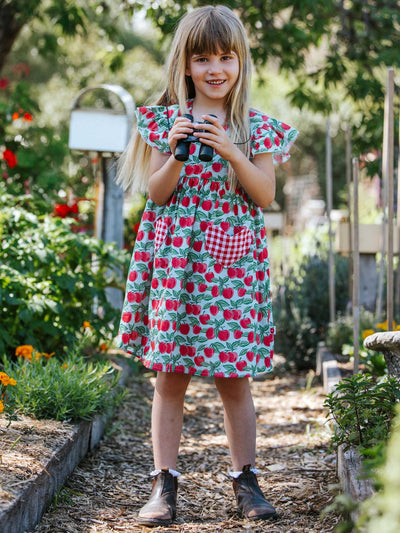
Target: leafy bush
301, 307
363, 409
33, 155
382, 511
52, 280
73, 390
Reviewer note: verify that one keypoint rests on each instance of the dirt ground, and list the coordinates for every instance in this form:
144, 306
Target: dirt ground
297, 470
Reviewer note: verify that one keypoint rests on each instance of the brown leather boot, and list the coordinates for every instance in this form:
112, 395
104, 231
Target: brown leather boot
160, 510
250, 500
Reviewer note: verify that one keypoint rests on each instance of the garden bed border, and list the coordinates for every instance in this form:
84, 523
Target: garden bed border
349, 462
26, 510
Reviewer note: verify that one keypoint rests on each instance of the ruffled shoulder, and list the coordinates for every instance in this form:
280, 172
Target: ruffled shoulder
269, 135
154, 123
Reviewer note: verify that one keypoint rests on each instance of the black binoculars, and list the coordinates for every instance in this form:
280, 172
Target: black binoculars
183, 145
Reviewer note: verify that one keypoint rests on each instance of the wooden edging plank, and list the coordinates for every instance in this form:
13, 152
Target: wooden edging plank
349, 463
24, 513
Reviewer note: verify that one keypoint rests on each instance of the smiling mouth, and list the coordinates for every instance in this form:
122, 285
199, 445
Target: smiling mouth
216, 82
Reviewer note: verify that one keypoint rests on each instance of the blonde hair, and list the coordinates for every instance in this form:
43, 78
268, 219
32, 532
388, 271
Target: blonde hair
207, 30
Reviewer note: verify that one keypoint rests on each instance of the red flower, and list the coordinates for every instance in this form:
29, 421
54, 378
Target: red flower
61, 210
28, 117
10, 158
4, 83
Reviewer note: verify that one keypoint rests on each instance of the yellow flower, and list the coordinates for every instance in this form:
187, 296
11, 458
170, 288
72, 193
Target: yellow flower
4, 379
384, 325
367, 332
46, 355
1, 406
24, 351
87, 325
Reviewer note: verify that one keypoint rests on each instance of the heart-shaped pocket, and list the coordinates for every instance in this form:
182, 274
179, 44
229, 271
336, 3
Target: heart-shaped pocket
227, 249
161, 233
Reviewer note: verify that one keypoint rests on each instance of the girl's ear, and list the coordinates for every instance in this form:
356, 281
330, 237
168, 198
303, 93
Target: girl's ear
187, 71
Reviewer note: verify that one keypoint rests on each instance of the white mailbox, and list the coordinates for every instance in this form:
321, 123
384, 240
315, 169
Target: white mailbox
101, 129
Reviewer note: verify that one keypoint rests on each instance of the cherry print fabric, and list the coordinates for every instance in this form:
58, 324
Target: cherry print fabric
198, 291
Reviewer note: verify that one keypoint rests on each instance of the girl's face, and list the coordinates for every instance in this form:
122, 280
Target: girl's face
213, 75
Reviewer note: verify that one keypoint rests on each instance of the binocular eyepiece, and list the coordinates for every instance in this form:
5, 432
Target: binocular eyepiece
183, 145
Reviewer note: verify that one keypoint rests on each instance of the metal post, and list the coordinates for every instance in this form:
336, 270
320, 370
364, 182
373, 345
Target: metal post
113, 222
349, 203
356, 270
388, 177
329, 209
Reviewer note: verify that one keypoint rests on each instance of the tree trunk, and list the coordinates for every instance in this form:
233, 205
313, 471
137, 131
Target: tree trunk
13, 16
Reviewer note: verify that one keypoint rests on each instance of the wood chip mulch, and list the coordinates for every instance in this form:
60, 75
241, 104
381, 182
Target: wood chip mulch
297, 469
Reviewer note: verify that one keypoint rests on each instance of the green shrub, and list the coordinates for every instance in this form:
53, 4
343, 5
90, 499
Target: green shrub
301, 308
72, 390
363, 409
382, 511
52, 280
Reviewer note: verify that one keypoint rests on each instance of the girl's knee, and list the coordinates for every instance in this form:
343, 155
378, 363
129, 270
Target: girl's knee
171, 384
233, 388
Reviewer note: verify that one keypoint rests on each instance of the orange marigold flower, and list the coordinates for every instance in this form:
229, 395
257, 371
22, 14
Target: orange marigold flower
1, 406
15, 116
103, 347
25, 351
87, 325
48, 355
367, 332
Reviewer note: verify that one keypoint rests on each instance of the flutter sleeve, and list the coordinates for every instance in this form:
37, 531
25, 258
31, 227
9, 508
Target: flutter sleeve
153, 124
269, 135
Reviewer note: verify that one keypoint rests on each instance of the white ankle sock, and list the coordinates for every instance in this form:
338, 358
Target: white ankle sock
237, 474
173, 472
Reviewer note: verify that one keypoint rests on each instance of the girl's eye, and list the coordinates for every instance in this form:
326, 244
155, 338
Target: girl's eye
200, 59
226, 58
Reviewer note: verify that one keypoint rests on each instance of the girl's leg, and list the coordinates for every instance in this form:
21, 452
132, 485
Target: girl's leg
240, 427
239, 419
166, 428
167, 417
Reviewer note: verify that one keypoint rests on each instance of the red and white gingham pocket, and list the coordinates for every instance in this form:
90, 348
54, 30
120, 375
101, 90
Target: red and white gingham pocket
227, 249
161, 233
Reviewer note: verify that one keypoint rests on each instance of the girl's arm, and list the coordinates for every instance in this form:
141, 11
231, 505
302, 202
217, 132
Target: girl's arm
164, 176
257, 176
165, 169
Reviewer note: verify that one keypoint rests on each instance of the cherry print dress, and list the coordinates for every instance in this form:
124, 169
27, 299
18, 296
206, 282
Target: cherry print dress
198, 291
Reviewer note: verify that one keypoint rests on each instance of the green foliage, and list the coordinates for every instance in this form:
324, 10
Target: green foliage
73, 390
363, 409
382, 511
301, 305
339, 339
52, 280
35, 153
351, 44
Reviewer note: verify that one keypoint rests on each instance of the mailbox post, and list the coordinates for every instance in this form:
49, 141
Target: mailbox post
105, 131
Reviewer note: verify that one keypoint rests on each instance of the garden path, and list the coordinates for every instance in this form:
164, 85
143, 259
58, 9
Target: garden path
107, 489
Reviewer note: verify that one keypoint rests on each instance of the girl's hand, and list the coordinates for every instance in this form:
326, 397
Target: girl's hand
216, 136
180, 130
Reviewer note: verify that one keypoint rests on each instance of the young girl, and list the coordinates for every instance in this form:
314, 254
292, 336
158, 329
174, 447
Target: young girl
198, 297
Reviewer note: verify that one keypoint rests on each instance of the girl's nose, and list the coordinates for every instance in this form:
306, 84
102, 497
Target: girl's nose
214, 66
